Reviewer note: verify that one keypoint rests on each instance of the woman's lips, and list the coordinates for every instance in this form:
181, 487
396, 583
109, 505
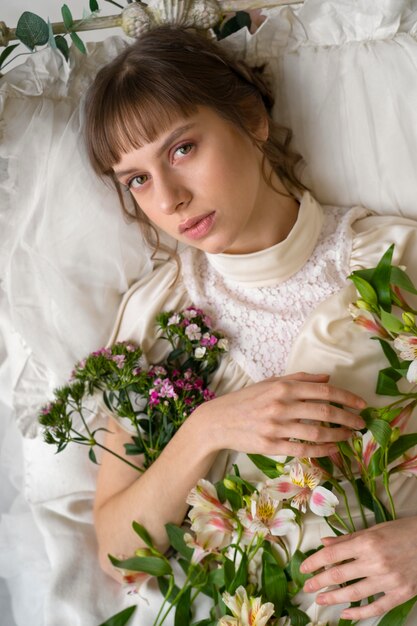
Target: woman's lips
197, 227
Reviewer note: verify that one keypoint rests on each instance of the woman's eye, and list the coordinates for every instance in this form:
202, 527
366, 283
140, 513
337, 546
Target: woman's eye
137, 181
184, 149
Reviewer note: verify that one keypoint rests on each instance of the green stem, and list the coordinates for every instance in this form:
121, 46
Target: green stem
342, 492
135, 467
388, 491
175, 601
168, 593
342, 522
362, 512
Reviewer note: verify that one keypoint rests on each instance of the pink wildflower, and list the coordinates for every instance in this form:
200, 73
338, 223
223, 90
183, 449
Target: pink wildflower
193, 332
119, 359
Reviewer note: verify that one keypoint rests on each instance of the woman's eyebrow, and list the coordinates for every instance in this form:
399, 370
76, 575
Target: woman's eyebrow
168, 141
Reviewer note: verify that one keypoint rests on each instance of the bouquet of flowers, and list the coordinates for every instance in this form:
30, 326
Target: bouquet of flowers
234, 548
153, 400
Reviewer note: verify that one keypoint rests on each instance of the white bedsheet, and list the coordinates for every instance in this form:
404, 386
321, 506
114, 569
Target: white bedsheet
345, 79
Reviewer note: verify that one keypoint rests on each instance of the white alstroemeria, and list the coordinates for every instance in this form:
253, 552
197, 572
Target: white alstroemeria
407, 347
302, 486
246, 611
200, 352
266, 516
202, 545
284, 621
174, 319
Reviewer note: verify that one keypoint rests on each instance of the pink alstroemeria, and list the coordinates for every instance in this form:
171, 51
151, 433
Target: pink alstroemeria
202, 545
403, 418
368, 321
369, 448
247, 611
408, 466
212, 521
302, 486
266, 516
407, 347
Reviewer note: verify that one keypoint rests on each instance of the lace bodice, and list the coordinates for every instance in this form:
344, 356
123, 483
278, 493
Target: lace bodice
262, 321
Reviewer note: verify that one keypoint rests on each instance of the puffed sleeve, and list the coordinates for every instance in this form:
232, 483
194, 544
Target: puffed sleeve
330, 342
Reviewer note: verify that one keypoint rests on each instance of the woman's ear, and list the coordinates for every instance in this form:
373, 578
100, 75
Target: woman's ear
262, 132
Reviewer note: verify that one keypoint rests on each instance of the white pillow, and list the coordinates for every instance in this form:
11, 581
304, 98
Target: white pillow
345, 81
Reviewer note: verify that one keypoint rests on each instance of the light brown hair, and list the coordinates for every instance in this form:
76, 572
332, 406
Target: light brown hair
167, 73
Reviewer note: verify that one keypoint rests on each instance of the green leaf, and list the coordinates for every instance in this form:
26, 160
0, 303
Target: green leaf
229, 572
152, 565
67, 16
143, 533
92, 456
399, 447
399, 614
294, 568
183, 610
93, 6
380, 430
365, 289
120, 619
241, 576
390, 353
78, 43
297, 617
344, 622
62, 45
274, 582
176, 539
382, 277
266, 465
32, 30
401, 279
386, 385
376, 464
391, 323
6, 53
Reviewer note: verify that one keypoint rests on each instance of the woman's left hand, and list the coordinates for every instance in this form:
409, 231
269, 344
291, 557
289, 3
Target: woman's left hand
382, 558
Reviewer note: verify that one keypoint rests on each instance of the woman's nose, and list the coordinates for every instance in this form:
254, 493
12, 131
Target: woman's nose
172, 193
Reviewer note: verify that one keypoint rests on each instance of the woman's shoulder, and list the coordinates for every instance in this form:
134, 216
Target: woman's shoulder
162, 289
373, 234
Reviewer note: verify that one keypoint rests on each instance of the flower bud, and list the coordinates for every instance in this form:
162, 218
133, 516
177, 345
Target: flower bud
396, 432
361, 304
357, 444
229, 484
408, 319
143, 552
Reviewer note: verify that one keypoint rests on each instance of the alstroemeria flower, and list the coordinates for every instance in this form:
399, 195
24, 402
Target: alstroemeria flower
201, 545
407, 347
246, 611
302, 487
408, 466
266, 517
368, 321
212, 521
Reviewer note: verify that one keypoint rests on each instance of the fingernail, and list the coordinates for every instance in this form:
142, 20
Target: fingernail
308, 586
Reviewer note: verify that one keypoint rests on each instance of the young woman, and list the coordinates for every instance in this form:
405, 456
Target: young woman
186, 135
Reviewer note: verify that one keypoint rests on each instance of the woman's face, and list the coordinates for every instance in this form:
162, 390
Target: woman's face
201, 182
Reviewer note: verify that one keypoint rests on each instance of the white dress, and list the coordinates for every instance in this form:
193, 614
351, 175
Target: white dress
284, 309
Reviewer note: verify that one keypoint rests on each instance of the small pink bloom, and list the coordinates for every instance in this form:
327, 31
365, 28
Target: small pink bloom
119, 359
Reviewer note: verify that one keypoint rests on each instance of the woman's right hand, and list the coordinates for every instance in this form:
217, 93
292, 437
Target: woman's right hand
289, 415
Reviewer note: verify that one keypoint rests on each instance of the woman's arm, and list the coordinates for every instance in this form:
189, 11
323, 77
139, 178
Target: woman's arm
263, 418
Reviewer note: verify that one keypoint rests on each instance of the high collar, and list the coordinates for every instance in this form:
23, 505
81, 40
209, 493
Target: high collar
277, 263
